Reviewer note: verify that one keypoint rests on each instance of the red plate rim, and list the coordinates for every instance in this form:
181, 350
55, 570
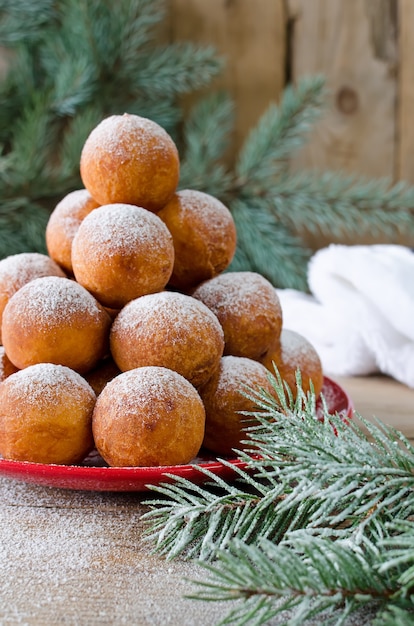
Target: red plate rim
90, 478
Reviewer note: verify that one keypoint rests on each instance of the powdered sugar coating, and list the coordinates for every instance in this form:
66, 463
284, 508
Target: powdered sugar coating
148, 416
248, 309
143, 386
127, 135
71, 210
63, 224
18, 269
39, 384
297, 350
121, 252
120, 229
46, 415
237, 372
52, 301
171, 330
204, 235
131, 159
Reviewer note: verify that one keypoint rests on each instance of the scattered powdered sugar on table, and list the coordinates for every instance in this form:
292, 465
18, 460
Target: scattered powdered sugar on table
77, 558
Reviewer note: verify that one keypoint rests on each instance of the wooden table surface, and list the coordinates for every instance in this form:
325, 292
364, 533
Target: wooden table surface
77, 558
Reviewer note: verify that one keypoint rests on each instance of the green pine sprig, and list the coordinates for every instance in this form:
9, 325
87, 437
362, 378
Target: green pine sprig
73, 63
321, 518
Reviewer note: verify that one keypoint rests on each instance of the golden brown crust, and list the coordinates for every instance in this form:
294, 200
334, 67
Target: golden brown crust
132, 160
102, 374
223, 400
293, 352
121, 252
55, 320
19, 269
247, 307
169, 330
63, 224
204, 236
6, 366
46, 415
149, 416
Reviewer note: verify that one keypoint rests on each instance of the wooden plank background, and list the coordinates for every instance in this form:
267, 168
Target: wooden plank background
363, 47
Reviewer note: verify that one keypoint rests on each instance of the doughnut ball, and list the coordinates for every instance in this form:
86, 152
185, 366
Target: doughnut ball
293, 352
55, 320
204, 236
248, 308
6, 366
149, 416
121, 252
223, 400
19, 269
46, 415
132, 160
168, 329
63, 223
102, 374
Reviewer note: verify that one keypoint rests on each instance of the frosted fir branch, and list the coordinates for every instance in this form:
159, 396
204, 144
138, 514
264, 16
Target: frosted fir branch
308, 576
280, 131
334, 204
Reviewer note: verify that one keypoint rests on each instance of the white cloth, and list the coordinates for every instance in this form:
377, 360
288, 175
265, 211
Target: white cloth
360, 314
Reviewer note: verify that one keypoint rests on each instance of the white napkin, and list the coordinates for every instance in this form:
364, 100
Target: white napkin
360, 314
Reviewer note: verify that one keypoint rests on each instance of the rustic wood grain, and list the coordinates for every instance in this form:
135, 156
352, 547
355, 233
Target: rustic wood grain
405, 118
251, 36
354, 44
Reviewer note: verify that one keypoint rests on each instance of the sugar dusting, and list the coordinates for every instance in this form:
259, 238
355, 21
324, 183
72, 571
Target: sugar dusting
235, 291
72, 557
207, 209
70, 211
165, 311
296, 350
126, 137
120, 228
51, 300
18, 269
144, 386
40, 384
236, 372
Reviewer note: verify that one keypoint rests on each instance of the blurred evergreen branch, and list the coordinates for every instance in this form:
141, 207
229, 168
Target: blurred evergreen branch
74, 62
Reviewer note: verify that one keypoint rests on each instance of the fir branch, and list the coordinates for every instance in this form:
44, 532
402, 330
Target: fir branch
280, 131
24, 20
334, 204
320, 518
266, 246
206, 137
311, 577
169, 71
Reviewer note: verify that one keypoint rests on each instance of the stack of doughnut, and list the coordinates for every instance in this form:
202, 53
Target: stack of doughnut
129, 335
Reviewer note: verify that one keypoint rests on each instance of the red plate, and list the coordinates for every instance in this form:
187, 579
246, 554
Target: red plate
93, 475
